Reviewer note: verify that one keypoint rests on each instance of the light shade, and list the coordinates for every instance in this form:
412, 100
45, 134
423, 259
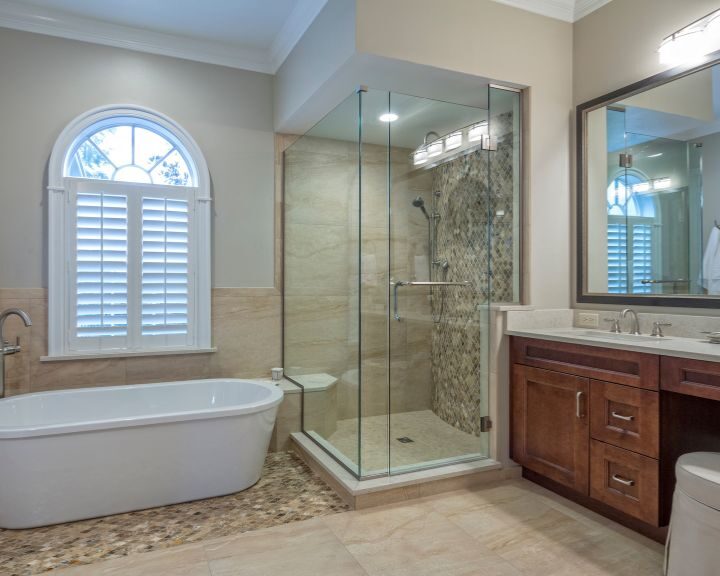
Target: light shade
434, 148
453, 140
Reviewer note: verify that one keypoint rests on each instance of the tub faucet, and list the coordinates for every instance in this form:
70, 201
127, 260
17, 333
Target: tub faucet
635, 325
5, 347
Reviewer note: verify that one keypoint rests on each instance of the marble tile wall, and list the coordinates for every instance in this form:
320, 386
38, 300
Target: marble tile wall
332, 263
469, 191
245, 329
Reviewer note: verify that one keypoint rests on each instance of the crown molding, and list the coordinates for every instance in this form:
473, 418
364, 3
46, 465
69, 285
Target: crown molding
558, 9
55, 23
584, 7
566, 10
296, 24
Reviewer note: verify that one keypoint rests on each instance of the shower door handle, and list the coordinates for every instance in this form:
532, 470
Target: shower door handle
396, 285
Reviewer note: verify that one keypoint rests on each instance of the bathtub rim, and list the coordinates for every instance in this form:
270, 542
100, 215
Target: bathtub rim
34, 431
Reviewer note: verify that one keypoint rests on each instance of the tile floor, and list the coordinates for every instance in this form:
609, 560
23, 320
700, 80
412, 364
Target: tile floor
433, 440
513, 528
287, 492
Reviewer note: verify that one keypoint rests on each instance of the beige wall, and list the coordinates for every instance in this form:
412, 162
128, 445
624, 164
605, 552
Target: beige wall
45, 82
484, 38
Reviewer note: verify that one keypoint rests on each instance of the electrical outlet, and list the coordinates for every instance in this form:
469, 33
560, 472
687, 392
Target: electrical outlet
588, 320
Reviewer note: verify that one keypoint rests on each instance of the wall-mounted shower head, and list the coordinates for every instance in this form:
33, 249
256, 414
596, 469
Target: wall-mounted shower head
420, 203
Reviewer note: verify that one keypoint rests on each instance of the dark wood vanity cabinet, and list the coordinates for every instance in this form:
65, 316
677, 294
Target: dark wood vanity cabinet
550, 424
588, 419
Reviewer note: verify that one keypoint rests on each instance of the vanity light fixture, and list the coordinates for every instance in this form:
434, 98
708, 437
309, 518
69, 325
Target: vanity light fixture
692, 42
477, 131
388, 117
434, 148
453, 140
662, 184
420, 157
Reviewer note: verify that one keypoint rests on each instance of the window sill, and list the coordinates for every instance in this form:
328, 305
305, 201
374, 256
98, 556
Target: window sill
124, 354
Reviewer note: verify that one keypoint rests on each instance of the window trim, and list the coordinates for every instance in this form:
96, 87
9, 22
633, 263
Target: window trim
59, 226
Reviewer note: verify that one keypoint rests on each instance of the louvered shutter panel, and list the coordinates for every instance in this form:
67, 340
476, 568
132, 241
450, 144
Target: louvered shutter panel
101, 271
617, 258
165, 280
642, 258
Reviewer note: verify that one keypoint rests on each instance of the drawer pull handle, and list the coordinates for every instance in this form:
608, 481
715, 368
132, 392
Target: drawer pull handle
622, 480
622, 417
578, 402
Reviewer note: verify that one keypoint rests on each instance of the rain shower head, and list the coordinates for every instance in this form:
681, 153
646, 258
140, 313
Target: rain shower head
420, 203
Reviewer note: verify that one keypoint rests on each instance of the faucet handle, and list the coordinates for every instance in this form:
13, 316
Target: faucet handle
614, 325
657, 329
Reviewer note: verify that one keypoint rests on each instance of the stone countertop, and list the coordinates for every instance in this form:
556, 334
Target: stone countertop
694, 348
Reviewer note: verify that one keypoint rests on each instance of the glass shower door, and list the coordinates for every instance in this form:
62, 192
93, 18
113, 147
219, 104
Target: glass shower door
438, 266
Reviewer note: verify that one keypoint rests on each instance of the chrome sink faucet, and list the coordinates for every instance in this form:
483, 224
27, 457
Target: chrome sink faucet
5, 347
635, 325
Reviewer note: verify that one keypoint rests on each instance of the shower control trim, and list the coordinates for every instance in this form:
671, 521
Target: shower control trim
399, 283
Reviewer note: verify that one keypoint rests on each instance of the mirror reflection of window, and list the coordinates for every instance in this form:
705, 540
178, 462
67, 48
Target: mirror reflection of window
630, 234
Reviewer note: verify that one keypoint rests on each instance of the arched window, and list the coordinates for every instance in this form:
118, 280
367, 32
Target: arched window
631, 237
129, 231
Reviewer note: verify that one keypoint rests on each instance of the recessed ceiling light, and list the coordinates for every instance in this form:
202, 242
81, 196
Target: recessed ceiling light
389, 117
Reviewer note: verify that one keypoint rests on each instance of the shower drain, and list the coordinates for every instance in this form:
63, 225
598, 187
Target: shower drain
405, 440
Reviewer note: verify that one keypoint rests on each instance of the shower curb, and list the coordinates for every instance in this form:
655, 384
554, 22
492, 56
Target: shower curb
390, 489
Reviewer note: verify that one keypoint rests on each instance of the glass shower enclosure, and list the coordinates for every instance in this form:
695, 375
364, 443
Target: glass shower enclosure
401, 227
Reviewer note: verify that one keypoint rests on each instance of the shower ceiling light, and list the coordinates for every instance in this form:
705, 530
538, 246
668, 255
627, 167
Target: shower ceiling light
388, 117
692, 42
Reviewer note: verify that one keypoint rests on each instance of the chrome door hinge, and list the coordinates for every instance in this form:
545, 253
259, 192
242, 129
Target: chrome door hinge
485, 424
626, 161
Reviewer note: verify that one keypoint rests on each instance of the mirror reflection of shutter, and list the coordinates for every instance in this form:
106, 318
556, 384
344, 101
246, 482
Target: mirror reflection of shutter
101, 273
641, 258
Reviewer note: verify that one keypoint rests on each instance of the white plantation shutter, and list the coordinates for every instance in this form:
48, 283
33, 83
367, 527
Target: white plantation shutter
101, 271
165, 280
130, 279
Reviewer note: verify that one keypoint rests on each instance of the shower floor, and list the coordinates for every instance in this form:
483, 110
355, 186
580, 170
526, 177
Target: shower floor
433, 442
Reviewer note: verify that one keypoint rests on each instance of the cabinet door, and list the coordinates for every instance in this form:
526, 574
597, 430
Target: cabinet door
550, 429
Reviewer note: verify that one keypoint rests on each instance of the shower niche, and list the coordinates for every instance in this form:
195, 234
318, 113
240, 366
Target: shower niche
401, 228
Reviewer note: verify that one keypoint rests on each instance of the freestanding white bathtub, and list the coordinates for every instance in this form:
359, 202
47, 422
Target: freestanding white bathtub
92, 452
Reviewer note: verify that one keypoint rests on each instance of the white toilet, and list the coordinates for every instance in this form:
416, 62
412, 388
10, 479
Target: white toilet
693, 545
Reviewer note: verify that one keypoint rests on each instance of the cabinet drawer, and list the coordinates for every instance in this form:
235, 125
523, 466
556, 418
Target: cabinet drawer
624, 480
606, 364
625, 417
691, 377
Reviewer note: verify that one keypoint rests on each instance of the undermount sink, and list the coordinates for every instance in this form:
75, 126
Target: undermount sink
607, 335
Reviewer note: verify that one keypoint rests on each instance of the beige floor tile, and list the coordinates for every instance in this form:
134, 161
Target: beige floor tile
304, 548
413, 540
183, 561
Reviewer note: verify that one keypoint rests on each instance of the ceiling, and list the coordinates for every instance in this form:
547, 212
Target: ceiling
249, 34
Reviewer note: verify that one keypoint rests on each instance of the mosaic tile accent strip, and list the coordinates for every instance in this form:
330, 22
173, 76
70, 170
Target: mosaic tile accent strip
287, 492
469, 191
